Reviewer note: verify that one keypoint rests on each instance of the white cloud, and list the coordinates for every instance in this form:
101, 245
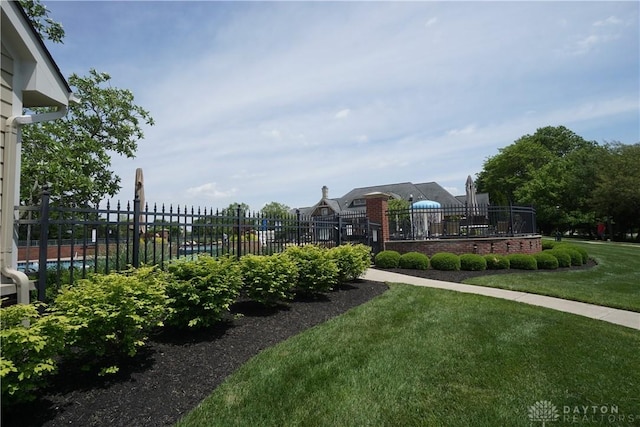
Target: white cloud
210, 191
612, 20
343, 114
260, 112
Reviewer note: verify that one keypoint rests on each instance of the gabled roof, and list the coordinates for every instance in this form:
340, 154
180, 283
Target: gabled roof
403, 190
41, 83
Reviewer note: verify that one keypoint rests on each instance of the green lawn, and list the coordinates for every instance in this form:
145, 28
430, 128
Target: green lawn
425, 357
615, 282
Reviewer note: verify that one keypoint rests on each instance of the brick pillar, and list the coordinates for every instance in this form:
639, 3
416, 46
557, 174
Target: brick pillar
377, 206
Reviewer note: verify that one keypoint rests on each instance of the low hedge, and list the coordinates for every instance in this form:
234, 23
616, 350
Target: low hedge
414, 261
563, 257
317, 271
497, 262
268, 279
473, 262
584, 255
522, 262
112, 315
387, 259
445, 261
200, 291
546, 261
352, 261
29, 350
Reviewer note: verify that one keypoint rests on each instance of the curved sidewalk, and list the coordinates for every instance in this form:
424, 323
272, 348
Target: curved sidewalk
629, 319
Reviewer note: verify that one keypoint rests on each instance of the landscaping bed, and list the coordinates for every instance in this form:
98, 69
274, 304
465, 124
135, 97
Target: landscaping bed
178, 369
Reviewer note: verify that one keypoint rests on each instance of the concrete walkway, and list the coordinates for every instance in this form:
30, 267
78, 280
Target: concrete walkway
629, 319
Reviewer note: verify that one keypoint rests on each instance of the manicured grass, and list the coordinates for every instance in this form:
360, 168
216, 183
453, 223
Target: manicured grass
614, 282
419, 356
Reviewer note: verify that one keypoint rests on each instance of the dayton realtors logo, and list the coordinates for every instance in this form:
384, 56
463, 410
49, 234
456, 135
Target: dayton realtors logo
546, 412
543, 411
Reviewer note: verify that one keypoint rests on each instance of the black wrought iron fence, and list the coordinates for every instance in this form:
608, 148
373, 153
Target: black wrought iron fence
63, 244
461, 222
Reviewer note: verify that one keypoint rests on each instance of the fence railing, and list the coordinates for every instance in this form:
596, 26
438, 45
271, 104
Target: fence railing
73, 242
461, 222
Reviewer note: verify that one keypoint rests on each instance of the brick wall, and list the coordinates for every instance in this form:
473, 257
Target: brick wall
482, 246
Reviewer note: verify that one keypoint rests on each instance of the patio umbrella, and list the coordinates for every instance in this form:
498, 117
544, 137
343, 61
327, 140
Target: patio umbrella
472, 199
139, 193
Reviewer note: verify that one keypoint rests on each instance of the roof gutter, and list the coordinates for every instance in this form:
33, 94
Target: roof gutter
9, 189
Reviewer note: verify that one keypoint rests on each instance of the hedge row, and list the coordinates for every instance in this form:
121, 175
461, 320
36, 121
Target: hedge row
552, 257
101, 319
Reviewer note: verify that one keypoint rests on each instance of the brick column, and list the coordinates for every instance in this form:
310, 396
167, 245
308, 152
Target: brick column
377, 206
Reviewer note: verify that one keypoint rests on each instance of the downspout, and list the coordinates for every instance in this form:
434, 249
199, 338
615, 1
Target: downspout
9, 196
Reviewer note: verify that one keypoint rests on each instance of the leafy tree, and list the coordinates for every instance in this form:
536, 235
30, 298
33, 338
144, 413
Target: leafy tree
616, 195
552, 170
46, 27
73, 154
275, 210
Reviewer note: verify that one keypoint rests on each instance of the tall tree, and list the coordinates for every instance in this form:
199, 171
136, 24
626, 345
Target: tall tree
275, 210
553, 170
46, 27
73, 154
616, 195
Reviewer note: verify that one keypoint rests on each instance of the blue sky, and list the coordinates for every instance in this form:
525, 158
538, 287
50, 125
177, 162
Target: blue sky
268, 101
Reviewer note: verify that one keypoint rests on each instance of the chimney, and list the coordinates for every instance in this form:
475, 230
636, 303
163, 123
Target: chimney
325, 192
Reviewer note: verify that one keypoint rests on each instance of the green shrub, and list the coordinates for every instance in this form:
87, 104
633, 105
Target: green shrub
445, 261
472, 262
352, 261
497, 262
387, 259
112, 314
547, 244
522, 262
563, 257
414, 261
317, 271
546, 261
268, 279
584, 255
30, 344
576, 256
201, 290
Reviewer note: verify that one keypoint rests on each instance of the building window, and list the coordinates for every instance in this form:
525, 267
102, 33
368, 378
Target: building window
359, 202
324, 212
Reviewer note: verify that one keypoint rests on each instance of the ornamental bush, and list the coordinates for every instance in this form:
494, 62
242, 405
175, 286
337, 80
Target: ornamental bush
200, 291
546, 261
576, 256
352, 261
268, 279
111, 315
317, 271
387, 259
29, 350
522, 262
563, 257
547, 244
497, 262
414, 261
473, 262
445, 261
584, 255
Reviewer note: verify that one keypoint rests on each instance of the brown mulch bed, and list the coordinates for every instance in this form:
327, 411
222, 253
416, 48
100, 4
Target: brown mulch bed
178, 369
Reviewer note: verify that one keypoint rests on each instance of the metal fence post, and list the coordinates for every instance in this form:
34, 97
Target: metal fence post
298, 227
43, 243
238, 234
136, 232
